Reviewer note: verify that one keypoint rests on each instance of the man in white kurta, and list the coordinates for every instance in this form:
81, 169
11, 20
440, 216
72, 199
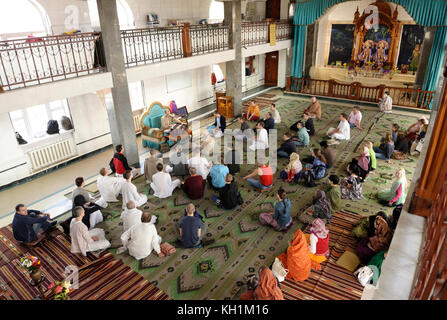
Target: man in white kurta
83, 240
199, 163
142, 238
109, 187
162, 184
275, 113
130, 216
130, 193
343, 131
262, 139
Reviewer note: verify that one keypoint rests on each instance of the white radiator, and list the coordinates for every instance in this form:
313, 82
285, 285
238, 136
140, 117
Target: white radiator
44, 156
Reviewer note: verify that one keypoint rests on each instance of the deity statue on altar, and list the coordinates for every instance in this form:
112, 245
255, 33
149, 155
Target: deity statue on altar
381, 57
366, 55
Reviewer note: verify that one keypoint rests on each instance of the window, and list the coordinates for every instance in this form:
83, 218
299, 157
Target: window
20, 18
218, 72
136, 95
125, 15
31, 123
216, 12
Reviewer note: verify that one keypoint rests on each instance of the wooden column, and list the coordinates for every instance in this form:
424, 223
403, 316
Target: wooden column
434, 170
186, 39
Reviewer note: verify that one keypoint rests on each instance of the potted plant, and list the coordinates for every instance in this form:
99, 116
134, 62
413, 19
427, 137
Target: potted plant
32, 265
60, 289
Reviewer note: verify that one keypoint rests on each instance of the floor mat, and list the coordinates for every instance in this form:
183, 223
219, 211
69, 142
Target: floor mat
332, 282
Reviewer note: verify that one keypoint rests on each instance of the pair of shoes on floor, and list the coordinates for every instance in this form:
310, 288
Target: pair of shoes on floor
208, 242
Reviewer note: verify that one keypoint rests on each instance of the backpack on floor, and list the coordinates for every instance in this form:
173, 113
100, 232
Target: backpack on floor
309, 179
52, 127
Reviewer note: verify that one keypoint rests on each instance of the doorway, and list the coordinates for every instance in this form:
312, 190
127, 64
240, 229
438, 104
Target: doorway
271, 69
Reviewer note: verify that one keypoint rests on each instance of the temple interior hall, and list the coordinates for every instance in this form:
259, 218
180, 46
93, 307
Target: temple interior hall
223, 150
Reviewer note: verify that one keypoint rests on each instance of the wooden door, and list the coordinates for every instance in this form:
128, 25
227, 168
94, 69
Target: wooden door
272, 9
271, 68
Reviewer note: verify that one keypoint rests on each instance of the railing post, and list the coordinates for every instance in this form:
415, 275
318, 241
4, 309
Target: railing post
330, 88
186, 39
289, 83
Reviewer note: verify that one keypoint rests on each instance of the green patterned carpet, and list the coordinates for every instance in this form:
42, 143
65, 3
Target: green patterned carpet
242, 245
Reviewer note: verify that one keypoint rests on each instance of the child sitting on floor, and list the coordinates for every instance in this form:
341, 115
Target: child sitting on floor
292, 172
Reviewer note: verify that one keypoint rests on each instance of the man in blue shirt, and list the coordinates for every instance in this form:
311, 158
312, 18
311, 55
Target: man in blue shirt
302, 135
190, 229
216, 177
27, 223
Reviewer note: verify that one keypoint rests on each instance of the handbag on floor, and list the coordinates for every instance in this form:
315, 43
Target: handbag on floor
278, 270
364, 275
167, 248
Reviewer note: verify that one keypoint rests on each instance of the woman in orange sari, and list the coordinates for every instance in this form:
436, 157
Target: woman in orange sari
297, 259
267, 288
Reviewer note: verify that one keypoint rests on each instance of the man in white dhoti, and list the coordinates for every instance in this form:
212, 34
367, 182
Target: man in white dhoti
109, 187
83, 240
342, 132
130, 216
162, 183
129, 191
199, 163
261, 139
142, 238
79, 190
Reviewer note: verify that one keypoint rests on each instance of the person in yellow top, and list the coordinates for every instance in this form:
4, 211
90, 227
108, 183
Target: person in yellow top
253, 112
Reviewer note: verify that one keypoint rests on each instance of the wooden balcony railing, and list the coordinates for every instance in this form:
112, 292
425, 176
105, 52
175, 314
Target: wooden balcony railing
257, 32
32, 61
431, 276
406, 97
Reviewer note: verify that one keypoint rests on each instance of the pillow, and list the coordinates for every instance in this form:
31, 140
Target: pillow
349, 261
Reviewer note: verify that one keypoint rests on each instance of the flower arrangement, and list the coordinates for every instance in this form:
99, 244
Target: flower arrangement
30, 263
61, 289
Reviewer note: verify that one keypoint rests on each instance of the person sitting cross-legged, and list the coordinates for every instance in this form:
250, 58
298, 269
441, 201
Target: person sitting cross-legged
269, 122
190, 229
162, 183
27, 224
228, 194
386, 149
130, 216
280, 218
275, 113
79, 190
333, 192
318, 240
218, 129
321, 209
200, 163
355, 118
342, 132
129, 191
142, 238
216, 178
150, 165
302, 138
261, 140
314, 109
287, 147
309, 124
92, 212
292, 172
253, 112
109, 187
194, 185
265, 173
84, 240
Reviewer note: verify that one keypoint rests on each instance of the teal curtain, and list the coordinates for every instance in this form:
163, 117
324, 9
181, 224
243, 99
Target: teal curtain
436, 58
299, 43
429, 13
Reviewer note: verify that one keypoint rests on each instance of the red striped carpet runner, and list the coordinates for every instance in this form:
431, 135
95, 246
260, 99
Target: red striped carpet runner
332, 282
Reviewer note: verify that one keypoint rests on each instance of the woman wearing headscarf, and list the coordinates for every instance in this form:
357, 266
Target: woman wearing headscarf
92, 211
397, 193
318, 240
267, 288
293, 169
297, 258
321, 209
360, 165
380, 241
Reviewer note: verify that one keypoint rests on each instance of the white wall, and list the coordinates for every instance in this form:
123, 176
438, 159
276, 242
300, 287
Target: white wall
199, 94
